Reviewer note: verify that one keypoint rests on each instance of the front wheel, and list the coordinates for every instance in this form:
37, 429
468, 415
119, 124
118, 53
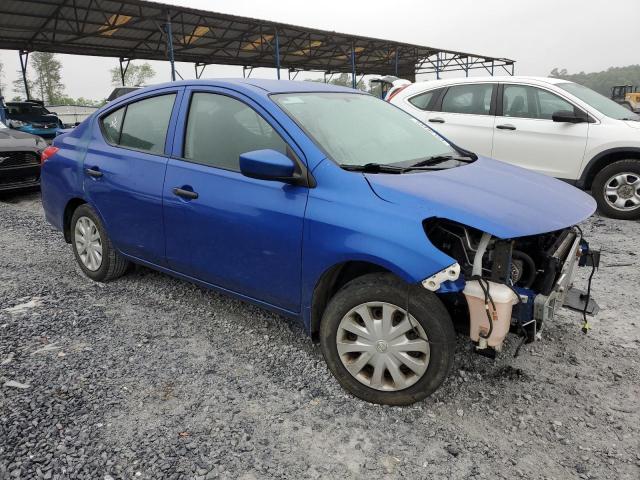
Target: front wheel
379, 351
616, 189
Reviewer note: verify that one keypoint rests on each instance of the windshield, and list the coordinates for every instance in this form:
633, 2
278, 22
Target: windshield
26, 109
599, 102
356, 129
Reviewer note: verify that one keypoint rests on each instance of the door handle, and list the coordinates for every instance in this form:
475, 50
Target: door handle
506, 126
436, 120
181, 192
94, 172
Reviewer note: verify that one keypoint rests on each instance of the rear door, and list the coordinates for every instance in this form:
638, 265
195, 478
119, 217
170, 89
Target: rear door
124, 172
462, 113
526, 135
239, 233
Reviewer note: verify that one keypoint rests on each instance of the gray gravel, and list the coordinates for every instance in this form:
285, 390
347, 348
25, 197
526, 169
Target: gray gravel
151, 377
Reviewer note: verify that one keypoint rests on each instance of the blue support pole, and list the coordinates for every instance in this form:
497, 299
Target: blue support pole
169, 33
353, 67
278, 53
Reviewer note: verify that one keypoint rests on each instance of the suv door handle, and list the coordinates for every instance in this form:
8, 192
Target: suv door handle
436, 120
506, 126
94, 172
189, 194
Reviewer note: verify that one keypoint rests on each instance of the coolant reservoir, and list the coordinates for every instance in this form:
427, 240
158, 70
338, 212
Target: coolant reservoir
503, 297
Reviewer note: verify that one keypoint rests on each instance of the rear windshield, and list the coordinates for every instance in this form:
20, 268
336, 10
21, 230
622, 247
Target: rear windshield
357, 129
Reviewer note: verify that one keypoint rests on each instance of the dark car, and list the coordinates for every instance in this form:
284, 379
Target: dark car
32, 117
19, 159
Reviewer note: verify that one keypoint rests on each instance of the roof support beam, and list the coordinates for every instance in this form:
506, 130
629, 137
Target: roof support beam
169, 36
24, 59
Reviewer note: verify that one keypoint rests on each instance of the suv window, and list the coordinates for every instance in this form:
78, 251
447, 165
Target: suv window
425, 100
472, 99
530, 102
220, 128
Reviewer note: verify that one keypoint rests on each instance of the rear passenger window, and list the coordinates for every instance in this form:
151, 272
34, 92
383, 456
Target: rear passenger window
112, 125
220, 128
472, 99
140, 125
423, 100
146, 122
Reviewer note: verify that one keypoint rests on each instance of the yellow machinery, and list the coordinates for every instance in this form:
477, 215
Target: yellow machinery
627, 96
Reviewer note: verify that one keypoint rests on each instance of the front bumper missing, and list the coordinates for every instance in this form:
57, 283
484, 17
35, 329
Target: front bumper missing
563, 293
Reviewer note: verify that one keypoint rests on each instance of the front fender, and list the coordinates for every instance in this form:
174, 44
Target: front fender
361, 227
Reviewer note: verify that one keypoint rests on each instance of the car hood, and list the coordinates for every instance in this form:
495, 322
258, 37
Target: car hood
633, 124
492, 196
11, 139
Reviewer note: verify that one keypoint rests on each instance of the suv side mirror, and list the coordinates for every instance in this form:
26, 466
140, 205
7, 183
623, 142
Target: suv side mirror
567, 116
267, 165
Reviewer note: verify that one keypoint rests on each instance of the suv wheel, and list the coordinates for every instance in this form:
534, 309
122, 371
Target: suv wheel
378, 351
92, 248
616, 189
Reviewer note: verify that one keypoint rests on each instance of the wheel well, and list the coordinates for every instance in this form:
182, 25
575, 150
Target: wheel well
66, 218
330, 282
605, 160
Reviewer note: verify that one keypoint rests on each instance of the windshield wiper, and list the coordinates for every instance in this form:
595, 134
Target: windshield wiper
372, 168
435, 159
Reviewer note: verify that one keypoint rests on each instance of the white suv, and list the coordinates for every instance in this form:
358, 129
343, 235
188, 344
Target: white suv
555, 127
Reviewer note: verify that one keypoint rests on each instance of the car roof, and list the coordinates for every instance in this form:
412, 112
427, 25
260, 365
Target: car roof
265, 85
429, 84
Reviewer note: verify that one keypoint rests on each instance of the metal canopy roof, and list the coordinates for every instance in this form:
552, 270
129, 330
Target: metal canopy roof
136, 29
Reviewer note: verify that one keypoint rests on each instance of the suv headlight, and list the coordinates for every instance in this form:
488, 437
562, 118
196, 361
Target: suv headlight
17, 123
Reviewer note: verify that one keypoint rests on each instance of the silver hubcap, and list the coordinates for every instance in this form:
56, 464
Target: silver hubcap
88, 243
622, 191
379, 346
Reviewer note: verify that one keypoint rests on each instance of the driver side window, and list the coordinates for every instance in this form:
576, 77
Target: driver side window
523, 101
220, 128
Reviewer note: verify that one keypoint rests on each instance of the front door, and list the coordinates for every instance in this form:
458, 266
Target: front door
525, 134
124, 172
239, 233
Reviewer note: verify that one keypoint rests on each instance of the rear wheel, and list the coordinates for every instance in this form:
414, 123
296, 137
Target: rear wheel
616, 189
92, 248
380, 352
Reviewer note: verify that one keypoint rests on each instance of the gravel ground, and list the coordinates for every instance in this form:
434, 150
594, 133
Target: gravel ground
151, 377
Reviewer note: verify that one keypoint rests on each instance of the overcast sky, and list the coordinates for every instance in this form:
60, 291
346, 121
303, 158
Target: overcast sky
579, 35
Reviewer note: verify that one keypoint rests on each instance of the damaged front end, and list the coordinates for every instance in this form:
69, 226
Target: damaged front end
509, 284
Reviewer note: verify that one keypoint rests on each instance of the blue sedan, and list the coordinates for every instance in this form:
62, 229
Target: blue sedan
324, 204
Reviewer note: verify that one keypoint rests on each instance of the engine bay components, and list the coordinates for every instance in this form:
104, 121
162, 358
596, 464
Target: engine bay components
513, 284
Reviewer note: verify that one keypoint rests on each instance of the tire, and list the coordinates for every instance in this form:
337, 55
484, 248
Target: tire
379, 291
604, 181
110, 264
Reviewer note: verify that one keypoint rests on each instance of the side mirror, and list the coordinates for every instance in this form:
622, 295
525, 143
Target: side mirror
267, 165
567, 116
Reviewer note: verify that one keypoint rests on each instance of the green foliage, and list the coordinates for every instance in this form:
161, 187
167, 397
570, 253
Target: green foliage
87, 102
602, 81
47, 84
2, 84
136, 75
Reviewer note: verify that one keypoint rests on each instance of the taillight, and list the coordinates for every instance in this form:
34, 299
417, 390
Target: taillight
47, 153
395, 92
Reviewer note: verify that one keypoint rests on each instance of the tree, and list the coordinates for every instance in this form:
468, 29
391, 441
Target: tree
2, 84
18, 86
135, 76
602, 81
47, 84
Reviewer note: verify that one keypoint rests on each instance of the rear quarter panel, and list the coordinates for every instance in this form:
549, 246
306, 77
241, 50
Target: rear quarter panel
62, 175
